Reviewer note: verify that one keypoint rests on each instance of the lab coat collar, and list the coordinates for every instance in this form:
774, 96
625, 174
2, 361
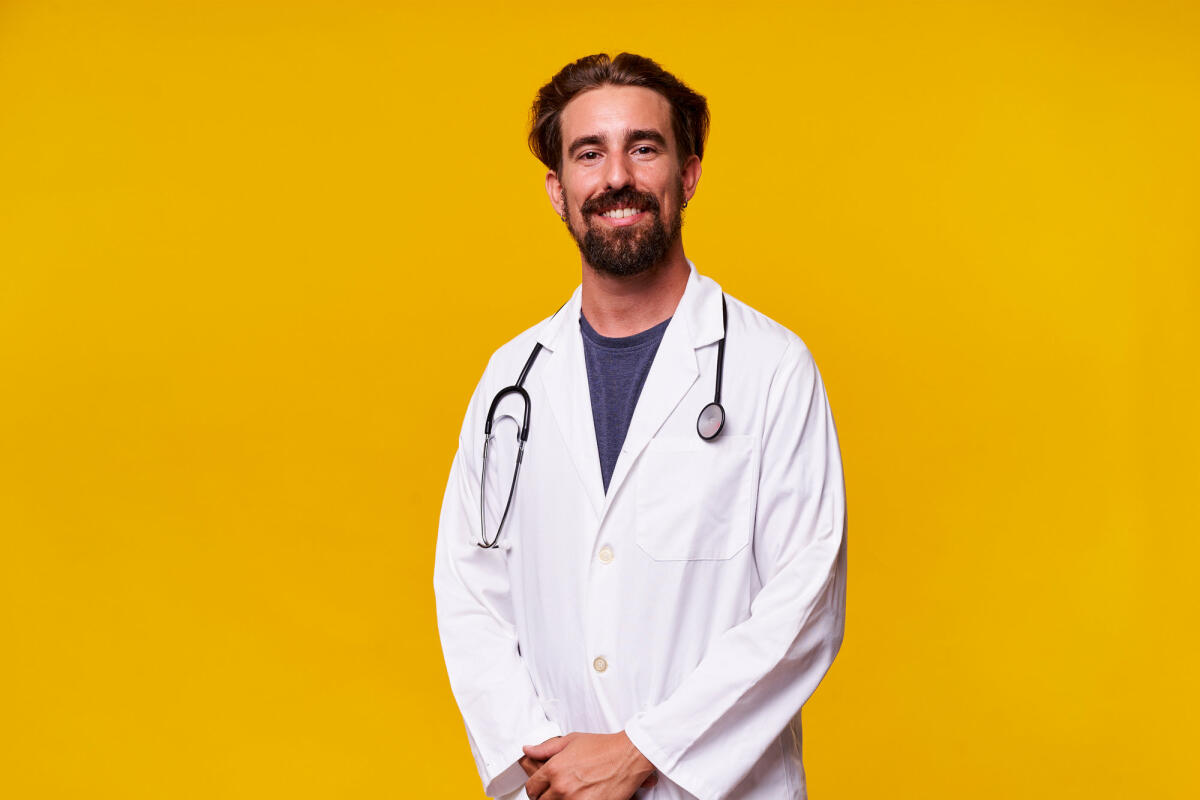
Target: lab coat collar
697, 322
699, 307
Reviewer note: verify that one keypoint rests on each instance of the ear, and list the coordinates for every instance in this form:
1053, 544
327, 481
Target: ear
690, 175
554, 189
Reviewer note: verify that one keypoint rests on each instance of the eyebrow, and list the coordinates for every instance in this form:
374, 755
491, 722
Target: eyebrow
631, 136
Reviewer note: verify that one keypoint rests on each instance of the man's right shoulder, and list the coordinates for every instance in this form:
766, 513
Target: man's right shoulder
508, 359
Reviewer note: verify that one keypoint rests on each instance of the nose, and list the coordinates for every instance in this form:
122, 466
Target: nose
619, 171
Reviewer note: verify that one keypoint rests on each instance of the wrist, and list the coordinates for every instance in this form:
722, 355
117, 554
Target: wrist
637, 761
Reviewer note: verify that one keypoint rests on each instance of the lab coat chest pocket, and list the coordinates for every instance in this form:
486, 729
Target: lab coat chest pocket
696, 499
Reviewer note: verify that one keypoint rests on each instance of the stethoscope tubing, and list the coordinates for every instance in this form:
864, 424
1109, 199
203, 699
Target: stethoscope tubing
522, 436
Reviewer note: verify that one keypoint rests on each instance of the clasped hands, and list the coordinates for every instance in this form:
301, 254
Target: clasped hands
586, 766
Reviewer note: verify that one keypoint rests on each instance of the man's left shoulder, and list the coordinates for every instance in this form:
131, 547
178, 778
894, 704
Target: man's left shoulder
771, 342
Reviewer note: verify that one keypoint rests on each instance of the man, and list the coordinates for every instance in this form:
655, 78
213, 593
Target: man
639, 599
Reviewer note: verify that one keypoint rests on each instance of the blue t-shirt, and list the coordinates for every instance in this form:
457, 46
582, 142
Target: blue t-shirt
616, 368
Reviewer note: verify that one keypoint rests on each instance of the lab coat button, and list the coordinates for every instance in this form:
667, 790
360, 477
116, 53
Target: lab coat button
600, 664
606, 554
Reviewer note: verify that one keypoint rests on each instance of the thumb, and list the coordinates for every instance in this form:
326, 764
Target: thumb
546, 749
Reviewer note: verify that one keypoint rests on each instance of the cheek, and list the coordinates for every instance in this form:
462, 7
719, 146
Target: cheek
571, 197
666, 185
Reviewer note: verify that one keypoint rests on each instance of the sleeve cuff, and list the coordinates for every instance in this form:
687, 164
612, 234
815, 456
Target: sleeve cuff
679, 775
508, 776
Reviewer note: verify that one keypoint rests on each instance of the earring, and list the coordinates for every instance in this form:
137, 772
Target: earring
685, 203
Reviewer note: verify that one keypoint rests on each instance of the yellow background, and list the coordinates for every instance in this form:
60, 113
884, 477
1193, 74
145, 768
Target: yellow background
254, 256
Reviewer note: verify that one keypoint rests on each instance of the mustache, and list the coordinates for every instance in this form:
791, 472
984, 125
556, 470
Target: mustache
625, 196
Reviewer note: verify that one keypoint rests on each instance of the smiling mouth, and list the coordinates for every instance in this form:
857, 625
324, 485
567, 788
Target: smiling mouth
622, 213
622, 216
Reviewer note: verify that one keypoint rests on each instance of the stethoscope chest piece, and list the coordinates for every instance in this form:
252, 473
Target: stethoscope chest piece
712, 416
710, 422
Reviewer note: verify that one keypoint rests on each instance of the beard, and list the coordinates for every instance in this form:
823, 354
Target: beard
627, 250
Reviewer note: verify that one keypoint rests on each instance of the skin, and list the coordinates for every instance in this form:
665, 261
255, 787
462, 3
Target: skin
609, 160
587, 766
613, 137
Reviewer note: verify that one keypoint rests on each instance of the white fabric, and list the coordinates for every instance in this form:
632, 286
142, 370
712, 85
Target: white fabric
723, 602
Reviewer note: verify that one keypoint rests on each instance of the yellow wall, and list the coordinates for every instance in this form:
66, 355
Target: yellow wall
253, 257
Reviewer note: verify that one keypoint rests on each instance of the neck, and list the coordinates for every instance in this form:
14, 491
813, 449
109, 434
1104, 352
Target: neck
624, 305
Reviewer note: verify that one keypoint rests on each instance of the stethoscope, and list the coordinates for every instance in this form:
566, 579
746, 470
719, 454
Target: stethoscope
709, 425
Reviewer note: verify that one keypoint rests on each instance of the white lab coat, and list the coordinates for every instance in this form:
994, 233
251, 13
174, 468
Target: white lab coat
696, 605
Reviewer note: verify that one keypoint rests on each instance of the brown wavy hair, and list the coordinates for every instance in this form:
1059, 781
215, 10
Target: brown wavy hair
689, 110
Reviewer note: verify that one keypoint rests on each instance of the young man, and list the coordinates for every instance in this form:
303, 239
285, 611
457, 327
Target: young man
650, 581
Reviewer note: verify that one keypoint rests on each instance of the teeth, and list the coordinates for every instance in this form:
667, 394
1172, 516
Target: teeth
620, 213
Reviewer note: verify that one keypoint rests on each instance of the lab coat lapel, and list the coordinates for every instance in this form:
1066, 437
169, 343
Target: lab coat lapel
565, 388
671, 375
564, 381
673, 372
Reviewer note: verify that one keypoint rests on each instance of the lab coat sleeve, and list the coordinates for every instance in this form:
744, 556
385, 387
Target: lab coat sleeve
755, 677
490, 682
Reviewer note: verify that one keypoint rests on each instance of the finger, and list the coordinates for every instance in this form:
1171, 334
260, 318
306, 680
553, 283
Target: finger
530, 765
548, 748
538, 783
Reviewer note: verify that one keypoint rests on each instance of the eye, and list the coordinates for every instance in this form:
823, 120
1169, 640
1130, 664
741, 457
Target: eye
589, 155
644, 150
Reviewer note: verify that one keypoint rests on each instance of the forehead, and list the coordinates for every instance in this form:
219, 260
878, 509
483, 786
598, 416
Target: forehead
611, 110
